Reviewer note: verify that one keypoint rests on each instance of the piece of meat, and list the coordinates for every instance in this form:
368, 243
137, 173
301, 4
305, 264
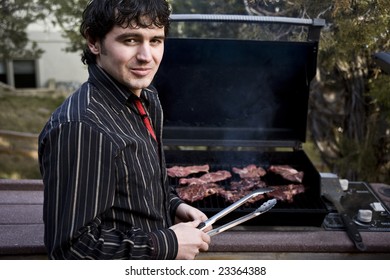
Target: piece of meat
184, 171
250, 171
286, 192
211, 177
287, 172
247, 184
235, 195
195, 192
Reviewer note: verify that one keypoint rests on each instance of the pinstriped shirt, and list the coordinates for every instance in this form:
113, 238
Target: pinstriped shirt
106, 193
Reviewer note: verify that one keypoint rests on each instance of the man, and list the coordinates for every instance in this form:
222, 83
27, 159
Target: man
106, 192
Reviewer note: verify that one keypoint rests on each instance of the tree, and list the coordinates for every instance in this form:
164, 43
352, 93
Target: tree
15, 16
206, 29
358, 119
349, 110
68, 16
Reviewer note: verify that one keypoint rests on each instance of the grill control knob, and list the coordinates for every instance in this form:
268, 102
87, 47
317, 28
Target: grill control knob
364, 216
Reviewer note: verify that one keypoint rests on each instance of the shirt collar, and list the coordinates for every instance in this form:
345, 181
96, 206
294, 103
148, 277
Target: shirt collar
110, 87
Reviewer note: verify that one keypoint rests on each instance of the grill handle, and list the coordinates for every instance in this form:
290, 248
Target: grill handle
315, 25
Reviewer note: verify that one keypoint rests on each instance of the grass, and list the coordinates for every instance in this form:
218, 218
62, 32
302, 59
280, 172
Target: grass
24, 113
28, 114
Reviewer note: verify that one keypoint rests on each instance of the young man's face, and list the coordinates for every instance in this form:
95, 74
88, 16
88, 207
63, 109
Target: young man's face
131, 55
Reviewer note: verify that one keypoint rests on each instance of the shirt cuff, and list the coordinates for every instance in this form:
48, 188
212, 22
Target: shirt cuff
165, 244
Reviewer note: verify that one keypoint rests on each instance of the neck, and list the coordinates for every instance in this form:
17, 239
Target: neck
137, 92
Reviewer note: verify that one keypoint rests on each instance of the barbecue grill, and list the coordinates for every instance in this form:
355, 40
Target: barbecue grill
230, 103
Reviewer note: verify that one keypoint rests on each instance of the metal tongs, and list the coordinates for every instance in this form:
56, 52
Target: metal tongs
262, 209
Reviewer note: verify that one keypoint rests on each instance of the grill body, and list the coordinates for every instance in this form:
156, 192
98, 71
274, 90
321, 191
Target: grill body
234, 102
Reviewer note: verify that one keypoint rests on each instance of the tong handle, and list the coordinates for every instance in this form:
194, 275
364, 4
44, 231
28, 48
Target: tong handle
262, 209
201, 226
232, 207
232, 224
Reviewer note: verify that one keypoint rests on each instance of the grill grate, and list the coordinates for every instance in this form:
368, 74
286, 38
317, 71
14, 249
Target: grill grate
211, 205
307, 209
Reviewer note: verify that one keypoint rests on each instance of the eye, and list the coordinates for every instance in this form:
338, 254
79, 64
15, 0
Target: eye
130, 41
156, 41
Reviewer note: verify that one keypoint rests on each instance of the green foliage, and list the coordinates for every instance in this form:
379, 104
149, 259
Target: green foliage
358, 29
15, 16
379, 89
68, 16
207, 7
356, 157
349, 113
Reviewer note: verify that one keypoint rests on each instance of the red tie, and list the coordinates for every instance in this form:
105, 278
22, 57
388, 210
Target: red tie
145, 118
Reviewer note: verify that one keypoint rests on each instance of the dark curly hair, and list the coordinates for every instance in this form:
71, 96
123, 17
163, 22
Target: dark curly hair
100, 16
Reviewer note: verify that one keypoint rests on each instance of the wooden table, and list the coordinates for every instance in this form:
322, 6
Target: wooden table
21, 234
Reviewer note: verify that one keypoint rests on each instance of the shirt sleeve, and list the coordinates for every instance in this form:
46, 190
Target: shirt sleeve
78, 172
175, 201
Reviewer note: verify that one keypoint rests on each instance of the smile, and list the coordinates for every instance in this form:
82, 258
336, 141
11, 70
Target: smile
141, 72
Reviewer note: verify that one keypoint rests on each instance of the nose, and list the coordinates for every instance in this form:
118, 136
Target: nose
144, 52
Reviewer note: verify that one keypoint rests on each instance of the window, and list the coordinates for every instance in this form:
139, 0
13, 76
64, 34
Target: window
24, 74
3, 72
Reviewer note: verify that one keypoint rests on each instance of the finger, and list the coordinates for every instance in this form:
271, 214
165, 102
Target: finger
195, 223
204, 247
208, 228
208, 239
202, 217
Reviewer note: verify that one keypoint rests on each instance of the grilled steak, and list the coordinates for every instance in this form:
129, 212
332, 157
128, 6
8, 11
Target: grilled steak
247, 184
287, 172
184, 171
250, 171
211, 177
235, 195
195, 192
198, 188
287, 192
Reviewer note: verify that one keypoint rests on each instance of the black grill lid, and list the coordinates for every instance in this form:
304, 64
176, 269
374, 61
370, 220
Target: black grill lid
225, 91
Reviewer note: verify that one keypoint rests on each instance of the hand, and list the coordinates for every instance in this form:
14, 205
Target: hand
187, 213
191, 240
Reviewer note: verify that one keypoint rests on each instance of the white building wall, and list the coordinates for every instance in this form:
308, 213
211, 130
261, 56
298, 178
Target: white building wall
56, 64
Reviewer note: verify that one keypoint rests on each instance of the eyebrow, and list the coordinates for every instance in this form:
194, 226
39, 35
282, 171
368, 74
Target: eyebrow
136, 35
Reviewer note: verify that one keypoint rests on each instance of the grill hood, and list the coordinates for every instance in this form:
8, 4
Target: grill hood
238, 92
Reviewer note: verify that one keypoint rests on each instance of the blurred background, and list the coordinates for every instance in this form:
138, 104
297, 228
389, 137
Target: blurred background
348, 131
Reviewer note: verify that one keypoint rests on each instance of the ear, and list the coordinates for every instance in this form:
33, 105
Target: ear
94, 46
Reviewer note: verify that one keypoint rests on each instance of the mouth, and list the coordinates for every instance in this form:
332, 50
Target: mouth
141, 72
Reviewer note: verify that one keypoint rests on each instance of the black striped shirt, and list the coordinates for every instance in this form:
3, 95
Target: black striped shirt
106, 192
